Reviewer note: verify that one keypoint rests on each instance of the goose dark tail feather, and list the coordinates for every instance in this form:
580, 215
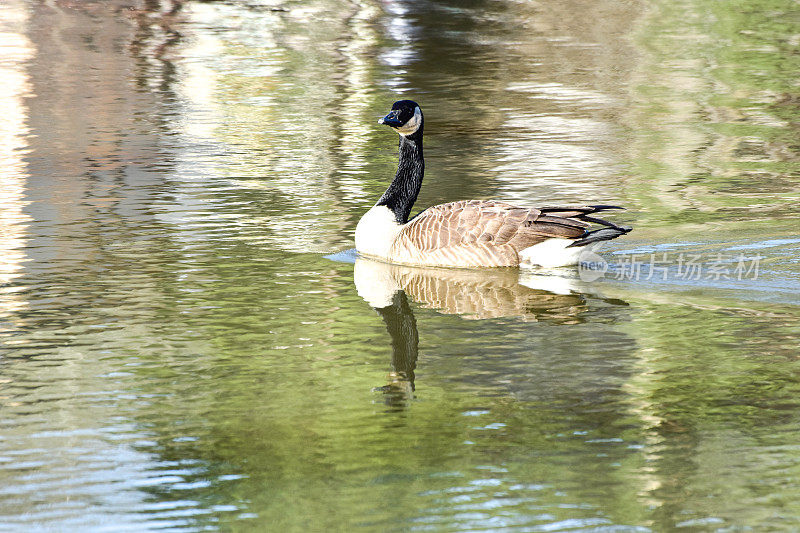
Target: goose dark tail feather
606, 233
602, 234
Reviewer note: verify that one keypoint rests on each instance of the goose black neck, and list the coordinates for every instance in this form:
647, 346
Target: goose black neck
403, 191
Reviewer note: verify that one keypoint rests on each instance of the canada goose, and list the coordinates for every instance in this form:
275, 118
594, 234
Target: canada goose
469, 233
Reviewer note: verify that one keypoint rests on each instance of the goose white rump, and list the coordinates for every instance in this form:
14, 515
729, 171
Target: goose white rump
470, 233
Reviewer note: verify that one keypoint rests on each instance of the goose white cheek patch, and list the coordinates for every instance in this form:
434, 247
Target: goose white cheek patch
412, 125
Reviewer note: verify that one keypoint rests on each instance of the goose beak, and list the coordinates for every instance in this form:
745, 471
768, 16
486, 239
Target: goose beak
391, 120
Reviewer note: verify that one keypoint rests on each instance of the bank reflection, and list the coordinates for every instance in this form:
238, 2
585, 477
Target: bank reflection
471, 294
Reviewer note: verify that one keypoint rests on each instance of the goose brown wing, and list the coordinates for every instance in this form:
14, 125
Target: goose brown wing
482, 233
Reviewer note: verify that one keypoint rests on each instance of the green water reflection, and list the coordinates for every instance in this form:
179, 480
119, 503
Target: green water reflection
181, 352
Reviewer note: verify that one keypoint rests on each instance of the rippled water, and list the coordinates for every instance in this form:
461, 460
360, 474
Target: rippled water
189, 343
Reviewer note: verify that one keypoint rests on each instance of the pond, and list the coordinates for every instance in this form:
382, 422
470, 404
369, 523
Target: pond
189, 341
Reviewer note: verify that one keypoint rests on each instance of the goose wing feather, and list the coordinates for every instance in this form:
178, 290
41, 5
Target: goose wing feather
484, 233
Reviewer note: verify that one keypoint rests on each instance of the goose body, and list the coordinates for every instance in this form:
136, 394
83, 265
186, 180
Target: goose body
469, 233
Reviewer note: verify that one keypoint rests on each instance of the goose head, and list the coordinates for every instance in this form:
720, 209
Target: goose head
405, 118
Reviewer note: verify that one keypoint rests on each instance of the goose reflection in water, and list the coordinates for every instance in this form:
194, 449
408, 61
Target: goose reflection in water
472, 294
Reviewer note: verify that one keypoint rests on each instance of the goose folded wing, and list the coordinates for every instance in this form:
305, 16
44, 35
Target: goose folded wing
482, 233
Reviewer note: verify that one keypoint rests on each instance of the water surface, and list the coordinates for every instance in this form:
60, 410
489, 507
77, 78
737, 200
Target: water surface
188, 344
